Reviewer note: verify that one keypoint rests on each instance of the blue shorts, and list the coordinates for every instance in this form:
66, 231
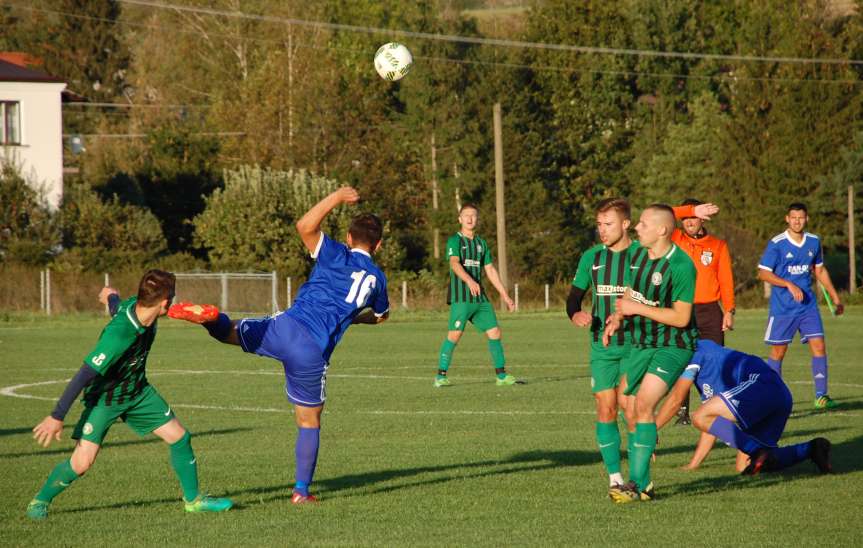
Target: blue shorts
761, 405
287, 340
781, 329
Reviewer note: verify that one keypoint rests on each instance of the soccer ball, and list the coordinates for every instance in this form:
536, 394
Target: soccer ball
393, 61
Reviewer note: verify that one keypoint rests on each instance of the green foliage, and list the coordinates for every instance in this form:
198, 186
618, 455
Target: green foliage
28, 230
102, 236
250, 223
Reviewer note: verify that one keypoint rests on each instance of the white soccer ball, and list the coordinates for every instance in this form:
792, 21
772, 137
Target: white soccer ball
393, 61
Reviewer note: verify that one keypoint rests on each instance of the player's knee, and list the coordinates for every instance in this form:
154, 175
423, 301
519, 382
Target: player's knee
493, 333
700, 421
778, 352
81, 462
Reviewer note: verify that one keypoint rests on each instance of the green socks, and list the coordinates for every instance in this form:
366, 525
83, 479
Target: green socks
183, 462
608, 439
643, 448
58, 480
445, 354
495, 347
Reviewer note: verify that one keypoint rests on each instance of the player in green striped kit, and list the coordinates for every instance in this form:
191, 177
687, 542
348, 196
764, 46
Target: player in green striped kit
469, 256
658, 305
604, 269
115, 387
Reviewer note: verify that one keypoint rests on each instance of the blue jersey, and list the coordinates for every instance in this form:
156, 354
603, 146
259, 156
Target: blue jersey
796, 263
342, 283
715, 369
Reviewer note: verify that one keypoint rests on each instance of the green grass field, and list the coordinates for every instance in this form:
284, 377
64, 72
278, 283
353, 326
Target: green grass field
402, 463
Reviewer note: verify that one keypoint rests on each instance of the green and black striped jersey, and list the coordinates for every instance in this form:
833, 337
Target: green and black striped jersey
473, 255
120, 357
659, 283
606, 273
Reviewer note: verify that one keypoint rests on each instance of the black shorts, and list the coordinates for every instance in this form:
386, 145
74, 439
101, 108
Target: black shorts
708, 319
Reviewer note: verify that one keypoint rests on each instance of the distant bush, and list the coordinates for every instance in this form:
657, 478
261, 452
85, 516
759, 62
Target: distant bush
28, 231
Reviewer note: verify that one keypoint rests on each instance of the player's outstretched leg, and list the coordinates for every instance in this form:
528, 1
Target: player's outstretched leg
217, 324
770, 460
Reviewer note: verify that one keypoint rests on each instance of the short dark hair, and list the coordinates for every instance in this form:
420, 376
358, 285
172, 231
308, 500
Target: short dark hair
155, 286
662, 207
798, 206
367, 229
468, 205
692, 202
620, 205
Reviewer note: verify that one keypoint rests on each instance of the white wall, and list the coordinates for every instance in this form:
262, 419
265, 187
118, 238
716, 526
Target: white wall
40, 155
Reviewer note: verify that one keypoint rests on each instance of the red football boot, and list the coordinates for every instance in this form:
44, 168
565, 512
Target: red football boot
297, 498
195, 313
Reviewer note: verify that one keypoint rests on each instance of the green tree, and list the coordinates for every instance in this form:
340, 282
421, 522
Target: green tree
249, 225
28, 230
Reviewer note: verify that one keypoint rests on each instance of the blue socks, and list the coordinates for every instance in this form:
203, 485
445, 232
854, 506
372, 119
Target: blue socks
220, 328
733, 436
819, 375
308, 441
775, 365
792, 454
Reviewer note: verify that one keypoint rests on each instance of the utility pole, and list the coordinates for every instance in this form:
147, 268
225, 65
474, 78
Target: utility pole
499, 197
436, 230
852, 258
457, 194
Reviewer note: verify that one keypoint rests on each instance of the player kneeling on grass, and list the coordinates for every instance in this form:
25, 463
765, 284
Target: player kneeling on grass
115, 386
344, 282
745, 404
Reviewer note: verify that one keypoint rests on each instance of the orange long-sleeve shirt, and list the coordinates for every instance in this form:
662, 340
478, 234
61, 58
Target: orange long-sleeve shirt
714, 280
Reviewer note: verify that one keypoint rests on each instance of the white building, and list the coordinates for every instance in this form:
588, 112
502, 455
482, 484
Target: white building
31, 126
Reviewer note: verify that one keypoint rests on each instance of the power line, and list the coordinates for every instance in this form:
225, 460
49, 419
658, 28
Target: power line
490, 41
532, 67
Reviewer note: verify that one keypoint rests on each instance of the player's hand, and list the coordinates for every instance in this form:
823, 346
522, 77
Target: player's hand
840, 309
796, 292
348, 195
626, 306
47, 431
475, 288
611, 327
728, 321
582, 319
107, 292
706, 211
510, 305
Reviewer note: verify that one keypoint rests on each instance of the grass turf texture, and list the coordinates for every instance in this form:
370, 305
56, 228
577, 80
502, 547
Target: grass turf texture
404, 463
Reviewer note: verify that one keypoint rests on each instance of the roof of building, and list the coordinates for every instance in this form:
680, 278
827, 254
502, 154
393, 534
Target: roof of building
10, 72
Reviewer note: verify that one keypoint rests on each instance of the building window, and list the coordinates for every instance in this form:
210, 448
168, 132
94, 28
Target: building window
10, 116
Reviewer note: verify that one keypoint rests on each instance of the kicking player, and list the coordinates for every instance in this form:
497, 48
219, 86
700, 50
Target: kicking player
788, 263
469, 256
115, 387
604, 269
746, 405
658, 301
345, 287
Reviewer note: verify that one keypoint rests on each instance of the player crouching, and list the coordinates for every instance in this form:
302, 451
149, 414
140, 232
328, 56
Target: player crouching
746, 404
115, 386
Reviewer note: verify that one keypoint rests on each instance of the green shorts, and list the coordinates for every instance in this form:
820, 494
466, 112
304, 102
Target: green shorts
143, 414
667, 363
606, 365
481, 315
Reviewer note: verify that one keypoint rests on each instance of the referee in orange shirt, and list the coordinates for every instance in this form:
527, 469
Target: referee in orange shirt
714, 282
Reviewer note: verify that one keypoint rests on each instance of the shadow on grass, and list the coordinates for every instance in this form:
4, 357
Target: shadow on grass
845, 406
844, 456
148, 440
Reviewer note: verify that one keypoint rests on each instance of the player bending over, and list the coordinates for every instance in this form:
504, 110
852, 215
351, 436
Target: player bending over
342, 284
658, 301
469, 256
115, 387
604, 269
746, 405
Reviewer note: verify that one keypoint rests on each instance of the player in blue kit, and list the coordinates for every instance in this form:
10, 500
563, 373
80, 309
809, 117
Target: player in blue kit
746, 404
788, 263
344, 287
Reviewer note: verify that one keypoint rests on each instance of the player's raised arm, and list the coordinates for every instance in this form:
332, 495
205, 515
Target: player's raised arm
110, 297
309, 225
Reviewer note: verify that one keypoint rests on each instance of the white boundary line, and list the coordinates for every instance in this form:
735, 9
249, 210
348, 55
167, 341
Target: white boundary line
12, 392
